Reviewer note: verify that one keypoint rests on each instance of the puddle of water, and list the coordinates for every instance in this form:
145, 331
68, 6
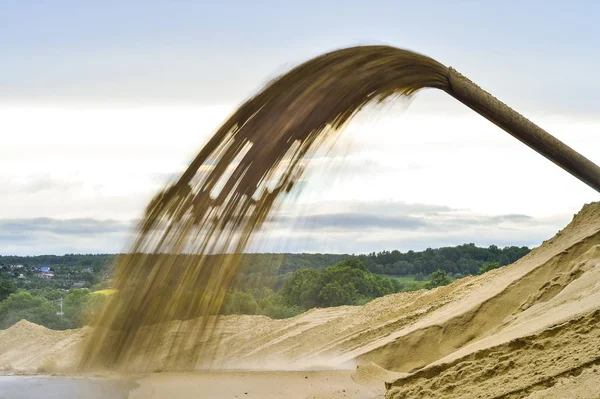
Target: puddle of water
33, 387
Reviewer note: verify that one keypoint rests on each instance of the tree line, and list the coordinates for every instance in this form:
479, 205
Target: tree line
274, 285
463, 260
43, 306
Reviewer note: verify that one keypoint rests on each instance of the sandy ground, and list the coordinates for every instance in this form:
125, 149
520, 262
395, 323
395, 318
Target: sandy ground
257, 385
205, 385
527, 330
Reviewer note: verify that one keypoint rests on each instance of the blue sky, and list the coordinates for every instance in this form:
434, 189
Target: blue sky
83, 82
183, 50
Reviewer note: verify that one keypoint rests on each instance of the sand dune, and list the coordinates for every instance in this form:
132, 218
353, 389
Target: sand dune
527, 330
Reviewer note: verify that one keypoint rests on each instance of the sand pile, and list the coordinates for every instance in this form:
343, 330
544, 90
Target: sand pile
28, 348
371, 375
227, 196
515, 369
530, 328
228, 192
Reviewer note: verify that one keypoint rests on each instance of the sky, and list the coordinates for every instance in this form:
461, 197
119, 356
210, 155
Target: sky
103, 103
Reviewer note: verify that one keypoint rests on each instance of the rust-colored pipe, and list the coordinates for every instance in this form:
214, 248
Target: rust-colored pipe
523, 129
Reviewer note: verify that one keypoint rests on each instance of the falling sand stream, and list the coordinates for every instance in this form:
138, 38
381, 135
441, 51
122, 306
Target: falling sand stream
188, 244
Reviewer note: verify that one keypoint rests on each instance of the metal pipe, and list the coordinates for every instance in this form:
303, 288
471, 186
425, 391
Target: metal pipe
523, 129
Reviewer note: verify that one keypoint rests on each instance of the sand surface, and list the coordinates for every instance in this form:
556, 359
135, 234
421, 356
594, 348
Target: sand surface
204, 385
256, 385
528, 330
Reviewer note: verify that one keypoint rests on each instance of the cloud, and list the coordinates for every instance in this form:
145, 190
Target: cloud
336, 227
59, 236
362, 221
37, 183
64, 227
394, 215
359, 227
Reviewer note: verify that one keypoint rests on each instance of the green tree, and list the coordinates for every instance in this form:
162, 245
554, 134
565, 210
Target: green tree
487, 266
413, 286
7, 287
23, 305
94, 304
336, 294
275, 307
48, 293
439, 278
89, 278
349, 282
240, 303
302, 288
74, 305
353, 263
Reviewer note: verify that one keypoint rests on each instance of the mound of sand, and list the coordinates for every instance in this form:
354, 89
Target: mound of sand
371, 375
28, 348
526, 330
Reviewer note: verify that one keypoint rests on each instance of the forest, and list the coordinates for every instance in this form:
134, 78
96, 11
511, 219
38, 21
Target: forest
66, 291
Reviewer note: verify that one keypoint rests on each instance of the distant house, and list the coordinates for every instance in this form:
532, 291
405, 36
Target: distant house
45, 269
21, 275
15, 266
88, 270
46, 275
79, 284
